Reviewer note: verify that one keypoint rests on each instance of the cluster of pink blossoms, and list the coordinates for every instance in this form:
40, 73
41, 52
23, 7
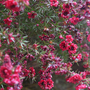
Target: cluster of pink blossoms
65, 11
8, 21
68, 45
11, 76
54, 3
15, 5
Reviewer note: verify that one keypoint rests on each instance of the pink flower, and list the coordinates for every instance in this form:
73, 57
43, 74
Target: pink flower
81, 86
49, 84
7, 81
7, 62
89, 88
30, 57
12, 80
26, 72
31, 14
88, 23
72, 48
5, 72
7, 21
17, 69
66, 6
74, 20
79, 56
83, 74
32, 72
88, 38
46, 84
65, 14
86, 54
54, 3
69, 38
74, 3
11, 38
35, 46
26, 2
44, 37
75, 79
42, 83
12, 5
86, 65
61, 37
63, 45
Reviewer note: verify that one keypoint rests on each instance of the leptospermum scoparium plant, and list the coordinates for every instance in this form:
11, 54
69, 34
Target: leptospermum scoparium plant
48, 36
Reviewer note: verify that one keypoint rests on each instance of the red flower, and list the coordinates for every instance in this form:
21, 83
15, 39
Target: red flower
12, 5
89, 88
54, 3
35, 46
49, 84
86, 65
5, 72
30, 57
65, 14
87, 14
46, 76
83, 74
46, 84
74, 20
32, 72
81, 86
88, 38
44, 37
42, 83
41, 72
69, 64
72, 48
7, 21
31, 14
12, 80
61, 37
26, 72
66, 6
11, 38
88, 23
69, 38
17, 69
7, 62
63, 45
79, 56
26, 2
7, 81
75, 79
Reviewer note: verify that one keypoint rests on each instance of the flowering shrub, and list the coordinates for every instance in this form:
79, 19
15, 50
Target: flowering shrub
39, 39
